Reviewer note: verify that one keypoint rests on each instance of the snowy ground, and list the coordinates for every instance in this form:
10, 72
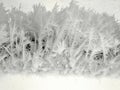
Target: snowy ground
34, 82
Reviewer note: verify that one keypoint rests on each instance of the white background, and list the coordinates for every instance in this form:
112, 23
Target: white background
55, 82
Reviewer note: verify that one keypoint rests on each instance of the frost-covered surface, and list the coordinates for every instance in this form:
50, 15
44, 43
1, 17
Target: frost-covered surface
70, 41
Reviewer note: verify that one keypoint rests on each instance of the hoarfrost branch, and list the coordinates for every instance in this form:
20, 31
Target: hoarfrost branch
72, 40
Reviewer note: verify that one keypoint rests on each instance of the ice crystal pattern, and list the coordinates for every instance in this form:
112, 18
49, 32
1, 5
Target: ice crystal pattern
72, 40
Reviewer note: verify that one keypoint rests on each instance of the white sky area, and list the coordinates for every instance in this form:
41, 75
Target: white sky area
112, 7
34, 82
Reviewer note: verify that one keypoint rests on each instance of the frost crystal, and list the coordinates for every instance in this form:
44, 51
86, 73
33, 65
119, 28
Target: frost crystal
70, 40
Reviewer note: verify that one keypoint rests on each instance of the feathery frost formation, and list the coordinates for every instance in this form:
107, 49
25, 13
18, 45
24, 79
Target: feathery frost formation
70, 41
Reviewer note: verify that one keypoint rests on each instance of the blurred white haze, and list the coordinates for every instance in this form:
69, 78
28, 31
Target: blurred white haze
112, 7
34, 82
